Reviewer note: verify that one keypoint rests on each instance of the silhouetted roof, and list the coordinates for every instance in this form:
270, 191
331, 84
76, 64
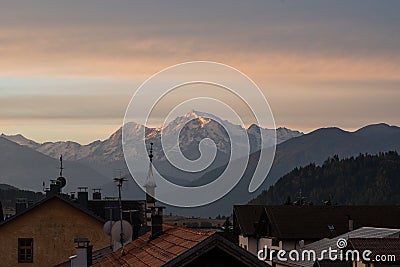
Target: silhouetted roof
378, 246
326, 243
247, 217
98, 207
46, 199
174, 247
313, 222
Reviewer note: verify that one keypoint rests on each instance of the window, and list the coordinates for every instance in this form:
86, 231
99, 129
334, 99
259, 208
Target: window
25, 250
275, 242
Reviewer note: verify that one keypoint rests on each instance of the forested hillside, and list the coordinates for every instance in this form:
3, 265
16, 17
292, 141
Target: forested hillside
362, 180
9, 194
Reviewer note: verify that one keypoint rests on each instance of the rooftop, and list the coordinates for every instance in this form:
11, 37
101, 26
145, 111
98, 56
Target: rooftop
176, 246
49, 198
312, 222
378, 246
142, 252
361, 233
247, 217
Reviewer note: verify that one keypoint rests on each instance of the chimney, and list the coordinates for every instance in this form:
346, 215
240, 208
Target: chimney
156, 221
83, 256
150, 186
55, 188
351, 224
97, 194
83, 197
21, 204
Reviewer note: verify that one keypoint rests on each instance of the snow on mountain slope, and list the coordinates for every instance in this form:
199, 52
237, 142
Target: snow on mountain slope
192, 128
21, 140
26, 168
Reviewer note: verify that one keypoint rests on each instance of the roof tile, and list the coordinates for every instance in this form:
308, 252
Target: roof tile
378, 246
142, 252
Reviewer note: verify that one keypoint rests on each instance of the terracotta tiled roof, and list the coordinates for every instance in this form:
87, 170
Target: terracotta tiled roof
158, 251
100, 254
378, 246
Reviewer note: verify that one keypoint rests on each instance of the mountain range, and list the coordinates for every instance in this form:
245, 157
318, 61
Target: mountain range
314, 147
25, 163
26, 168
200, 125
107, 156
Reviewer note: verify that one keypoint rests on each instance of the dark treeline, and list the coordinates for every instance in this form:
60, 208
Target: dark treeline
8, 196
364, 180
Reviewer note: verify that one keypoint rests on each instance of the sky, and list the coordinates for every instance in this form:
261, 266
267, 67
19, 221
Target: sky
68, 69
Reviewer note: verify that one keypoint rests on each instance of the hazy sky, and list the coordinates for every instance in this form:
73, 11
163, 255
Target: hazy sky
69, 68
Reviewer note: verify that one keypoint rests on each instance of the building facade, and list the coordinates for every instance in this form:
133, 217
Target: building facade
290, 227
43, 235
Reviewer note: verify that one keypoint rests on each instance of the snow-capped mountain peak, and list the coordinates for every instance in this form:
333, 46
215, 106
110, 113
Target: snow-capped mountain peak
191, 129
21, 140
196, 114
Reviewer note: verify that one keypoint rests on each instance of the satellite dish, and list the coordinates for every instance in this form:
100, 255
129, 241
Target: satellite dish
62, 181
126, 231
107, 227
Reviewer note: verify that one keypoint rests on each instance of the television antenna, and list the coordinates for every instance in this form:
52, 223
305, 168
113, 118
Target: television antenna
120, 182
61, 166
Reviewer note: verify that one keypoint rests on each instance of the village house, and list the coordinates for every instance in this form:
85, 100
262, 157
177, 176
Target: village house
291, 227
162, 245
361, 237
43, 234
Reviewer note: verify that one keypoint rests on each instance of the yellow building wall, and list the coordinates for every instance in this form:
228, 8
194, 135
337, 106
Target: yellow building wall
53, 225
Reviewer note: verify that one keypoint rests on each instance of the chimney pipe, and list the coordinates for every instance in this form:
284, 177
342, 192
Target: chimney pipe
83, 256
351, 224
156, 221
96, 194
55, 188
83, 197
21, 204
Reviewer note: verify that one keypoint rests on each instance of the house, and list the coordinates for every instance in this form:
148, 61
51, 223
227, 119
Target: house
245, 221
323, 259
133, 211
43, 234
290, 227
106, 208
167, 245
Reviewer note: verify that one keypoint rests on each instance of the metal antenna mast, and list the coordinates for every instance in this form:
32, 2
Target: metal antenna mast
61, 166
119, 182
